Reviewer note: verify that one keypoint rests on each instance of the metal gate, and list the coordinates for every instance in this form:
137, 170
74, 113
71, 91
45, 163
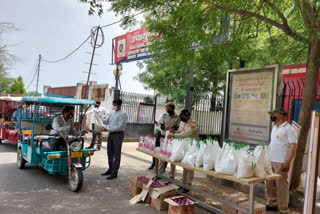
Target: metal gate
292, 94
140, 109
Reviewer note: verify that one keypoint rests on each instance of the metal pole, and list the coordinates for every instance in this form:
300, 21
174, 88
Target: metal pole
92, 56
116, 90
251, 199
189, 96
38, 72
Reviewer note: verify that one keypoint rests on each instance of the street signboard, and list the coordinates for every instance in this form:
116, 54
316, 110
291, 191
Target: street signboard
132, 46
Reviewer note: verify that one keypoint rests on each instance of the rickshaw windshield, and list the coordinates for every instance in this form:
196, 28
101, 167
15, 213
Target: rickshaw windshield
37, 112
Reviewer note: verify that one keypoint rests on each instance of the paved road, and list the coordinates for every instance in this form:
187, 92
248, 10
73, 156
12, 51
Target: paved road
33, 190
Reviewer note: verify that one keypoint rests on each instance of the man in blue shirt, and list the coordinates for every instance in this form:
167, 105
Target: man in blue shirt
16, 115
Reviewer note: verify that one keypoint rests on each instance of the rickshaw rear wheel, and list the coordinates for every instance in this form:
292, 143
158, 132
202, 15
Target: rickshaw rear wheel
75, 179
0, 140
20, 161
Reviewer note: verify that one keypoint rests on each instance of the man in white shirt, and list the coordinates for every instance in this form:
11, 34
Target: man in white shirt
63, 125
96, 122
282, 150
116, 122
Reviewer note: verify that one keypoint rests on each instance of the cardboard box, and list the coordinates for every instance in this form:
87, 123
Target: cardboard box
140, 183
234, 200
150, 191
175, 208
160, 194
145, 191
258, 208
133, 184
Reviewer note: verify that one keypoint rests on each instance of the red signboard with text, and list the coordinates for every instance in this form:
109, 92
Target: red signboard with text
132, 46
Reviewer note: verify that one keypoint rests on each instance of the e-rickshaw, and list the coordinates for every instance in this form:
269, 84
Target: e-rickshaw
35, 149
8, 105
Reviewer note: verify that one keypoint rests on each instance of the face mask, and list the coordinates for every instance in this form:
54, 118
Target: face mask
170, 112
70, 115
183, 119
273, 118
114, 108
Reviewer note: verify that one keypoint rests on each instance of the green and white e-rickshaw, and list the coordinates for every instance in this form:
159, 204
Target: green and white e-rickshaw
35, 149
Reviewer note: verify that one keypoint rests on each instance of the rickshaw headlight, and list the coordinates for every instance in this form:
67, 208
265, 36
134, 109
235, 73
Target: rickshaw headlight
76, 146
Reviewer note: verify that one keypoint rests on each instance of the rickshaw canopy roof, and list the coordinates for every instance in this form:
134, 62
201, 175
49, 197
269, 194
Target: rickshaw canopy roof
58, 100
11, 98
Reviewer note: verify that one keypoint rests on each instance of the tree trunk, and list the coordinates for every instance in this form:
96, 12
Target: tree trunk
310, 93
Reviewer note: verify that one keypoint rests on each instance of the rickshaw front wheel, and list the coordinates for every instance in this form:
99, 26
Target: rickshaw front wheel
21, 162
75, 179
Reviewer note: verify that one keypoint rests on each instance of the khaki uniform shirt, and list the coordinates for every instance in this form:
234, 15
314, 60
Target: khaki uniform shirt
168, 121
188, 129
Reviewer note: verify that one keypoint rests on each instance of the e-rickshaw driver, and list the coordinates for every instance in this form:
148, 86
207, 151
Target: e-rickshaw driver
63, 126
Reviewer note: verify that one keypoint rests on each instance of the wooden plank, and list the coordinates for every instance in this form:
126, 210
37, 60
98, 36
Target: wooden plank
313, 158
252, 180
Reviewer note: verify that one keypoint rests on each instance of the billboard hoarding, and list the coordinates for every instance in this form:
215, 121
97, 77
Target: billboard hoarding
250, 95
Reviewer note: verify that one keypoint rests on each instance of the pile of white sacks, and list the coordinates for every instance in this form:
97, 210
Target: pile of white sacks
232, 159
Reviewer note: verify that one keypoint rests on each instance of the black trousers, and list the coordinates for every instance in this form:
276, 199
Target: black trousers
57, 144
94, 137
114, 147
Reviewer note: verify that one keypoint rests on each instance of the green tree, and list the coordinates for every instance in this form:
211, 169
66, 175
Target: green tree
31, 92
5, 82
18, 86
281, 23
6, 59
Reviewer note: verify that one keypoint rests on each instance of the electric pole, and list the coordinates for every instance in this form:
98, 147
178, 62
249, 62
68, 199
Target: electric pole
38, 73
92, 56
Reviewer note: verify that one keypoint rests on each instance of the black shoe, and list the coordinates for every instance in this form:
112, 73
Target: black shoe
89, 147
171, 177
183, 190
151, 167
269, 208
107, 173
112, 177
98, 149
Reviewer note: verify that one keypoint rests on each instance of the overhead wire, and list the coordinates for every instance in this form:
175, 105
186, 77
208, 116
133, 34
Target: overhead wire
36, 69
120, 20
94, 31
92, 34
64, 58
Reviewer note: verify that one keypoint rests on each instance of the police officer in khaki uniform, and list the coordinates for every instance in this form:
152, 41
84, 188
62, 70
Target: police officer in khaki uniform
169, 120
188, 128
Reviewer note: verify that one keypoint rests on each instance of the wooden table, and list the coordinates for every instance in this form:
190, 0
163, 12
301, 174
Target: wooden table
248, 181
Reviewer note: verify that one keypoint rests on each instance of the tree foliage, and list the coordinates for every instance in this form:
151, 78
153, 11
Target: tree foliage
18, 86
261, 32
6, 59
5, 82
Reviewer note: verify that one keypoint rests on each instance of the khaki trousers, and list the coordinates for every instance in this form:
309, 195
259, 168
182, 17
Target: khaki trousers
187, 176
162, 168
278, 190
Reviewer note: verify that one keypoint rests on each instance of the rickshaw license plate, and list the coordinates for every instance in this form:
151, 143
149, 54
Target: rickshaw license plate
76, 154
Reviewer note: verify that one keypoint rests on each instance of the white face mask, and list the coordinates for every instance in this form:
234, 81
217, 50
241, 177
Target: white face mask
114, 108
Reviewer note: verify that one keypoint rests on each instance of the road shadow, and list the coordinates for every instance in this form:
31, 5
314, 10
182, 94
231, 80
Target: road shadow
8, 147
33, 189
